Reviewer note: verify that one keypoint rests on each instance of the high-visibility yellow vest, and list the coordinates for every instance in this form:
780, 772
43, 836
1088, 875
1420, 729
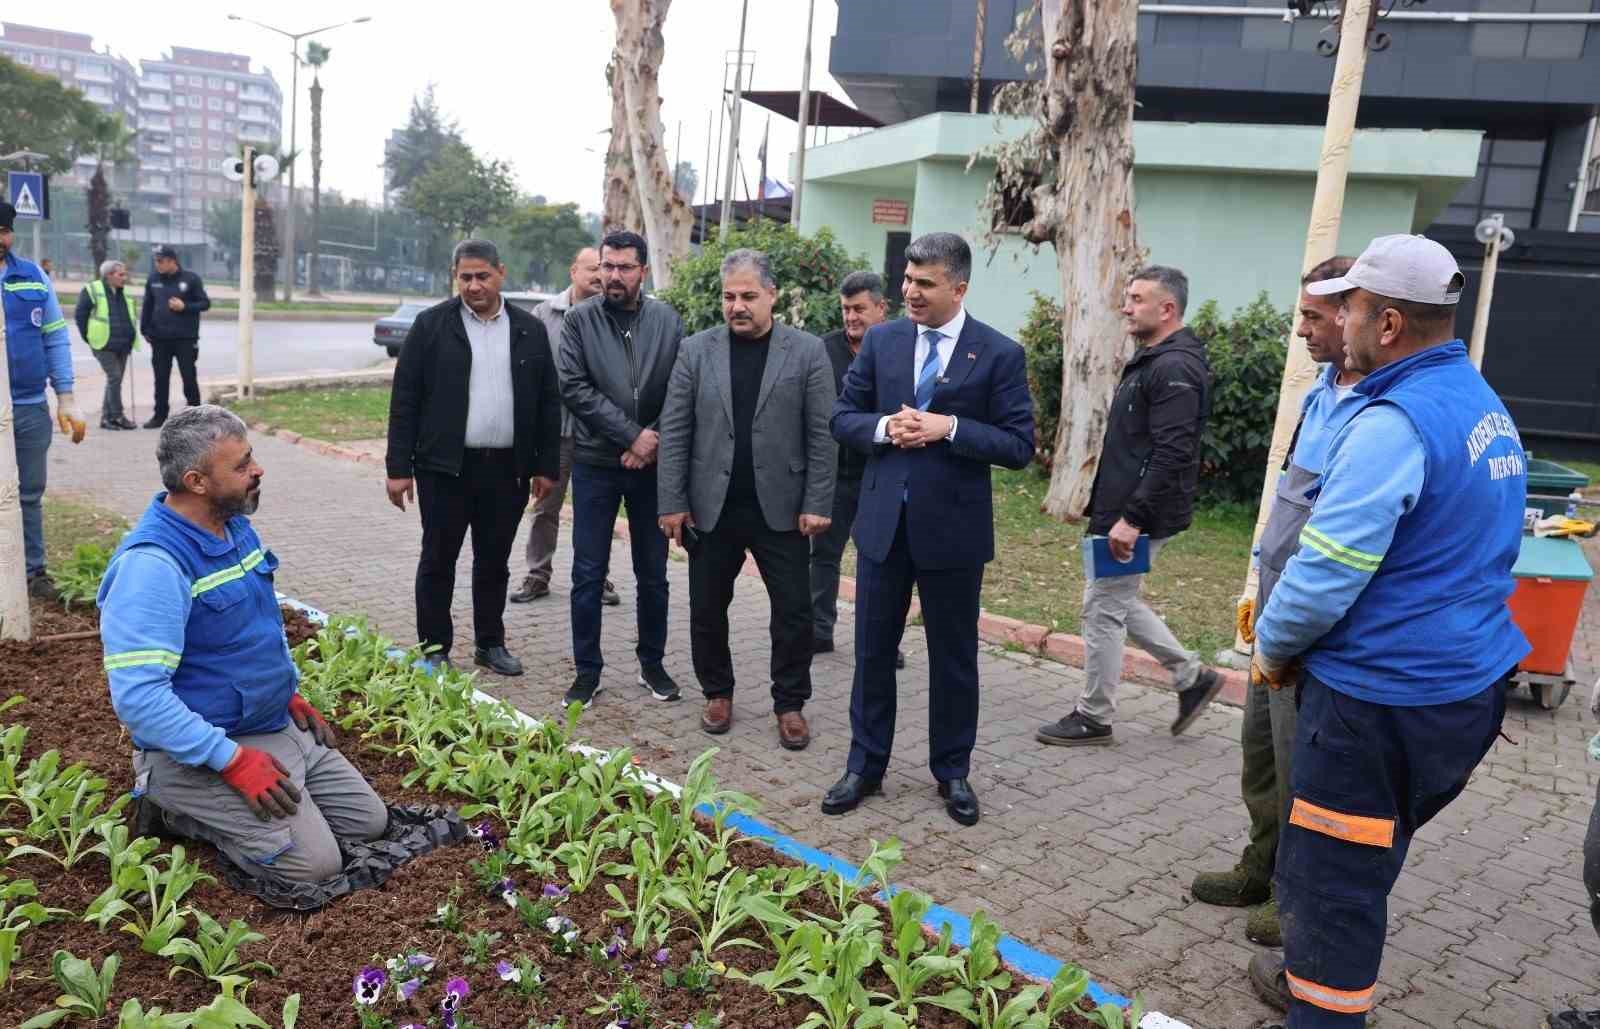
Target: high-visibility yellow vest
100, 317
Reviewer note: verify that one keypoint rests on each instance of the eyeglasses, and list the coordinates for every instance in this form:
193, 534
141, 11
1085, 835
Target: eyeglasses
622, 269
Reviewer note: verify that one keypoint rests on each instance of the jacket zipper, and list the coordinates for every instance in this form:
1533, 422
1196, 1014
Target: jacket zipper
627, 346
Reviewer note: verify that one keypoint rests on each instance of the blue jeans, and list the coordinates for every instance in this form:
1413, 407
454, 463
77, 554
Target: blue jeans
33, 427
597, 493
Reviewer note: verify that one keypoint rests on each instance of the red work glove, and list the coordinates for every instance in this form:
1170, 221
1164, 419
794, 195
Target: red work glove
263, 783
309, 719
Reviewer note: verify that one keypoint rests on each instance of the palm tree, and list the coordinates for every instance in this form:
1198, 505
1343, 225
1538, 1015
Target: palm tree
316, 56
112, 142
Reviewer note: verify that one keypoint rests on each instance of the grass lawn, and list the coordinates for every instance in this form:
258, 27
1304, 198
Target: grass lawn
335, 415
1037, 574
68, 523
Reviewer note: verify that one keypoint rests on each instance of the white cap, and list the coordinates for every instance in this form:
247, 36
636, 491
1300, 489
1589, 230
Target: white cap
1411, 268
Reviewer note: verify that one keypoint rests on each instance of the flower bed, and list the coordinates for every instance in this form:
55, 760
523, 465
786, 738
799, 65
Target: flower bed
586, 900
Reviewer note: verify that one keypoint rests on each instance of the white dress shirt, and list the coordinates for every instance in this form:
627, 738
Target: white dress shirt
491, 409
950, 331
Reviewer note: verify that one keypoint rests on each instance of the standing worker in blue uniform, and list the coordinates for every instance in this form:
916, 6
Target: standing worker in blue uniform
1390, 623
38, 352
1266, 734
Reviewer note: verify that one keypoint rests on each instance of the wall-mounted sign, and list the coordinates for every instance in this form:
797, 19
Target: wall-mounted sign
890, 212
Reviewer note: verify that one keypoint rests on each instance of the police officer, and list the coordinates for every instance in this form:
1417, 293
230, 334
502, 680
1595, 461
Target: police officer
38, 350
170, 319
1390, 622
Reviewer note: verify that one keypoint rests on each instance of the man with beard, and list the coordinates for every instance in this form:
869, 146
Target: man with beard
225, 747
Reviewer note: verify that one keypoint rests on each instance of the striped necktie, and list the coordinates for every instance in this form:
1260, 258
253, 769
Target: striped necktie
929, 376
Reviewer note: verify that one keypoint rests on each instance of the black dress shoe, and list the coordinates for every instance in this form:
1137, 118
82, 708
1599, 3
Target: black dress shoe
848, 793
959, 800
497, 659
156, 421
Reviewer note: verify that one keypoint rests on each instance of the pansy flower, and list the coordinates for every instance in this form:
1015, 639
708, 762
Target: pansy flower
661, 956
554, 892
484, 833
419, 961
368, 985
455, 991
614, 948
408, 989
508, 972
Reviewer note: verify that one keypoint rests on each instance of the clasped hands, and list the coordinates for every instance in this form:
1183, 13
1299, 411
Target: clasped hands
642, 454
910, 428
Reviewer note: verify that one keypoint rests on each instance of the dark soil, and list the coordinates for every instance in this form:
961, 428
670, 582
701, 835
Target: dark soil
317, 955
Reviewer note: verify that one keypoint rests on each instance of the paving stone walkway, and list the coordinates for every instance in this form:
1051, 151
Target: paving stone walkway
1084, 855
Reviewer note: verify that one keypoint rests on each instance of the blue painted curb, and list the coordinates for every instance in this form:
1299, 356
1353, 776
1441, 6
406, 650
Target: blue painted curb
1017, 954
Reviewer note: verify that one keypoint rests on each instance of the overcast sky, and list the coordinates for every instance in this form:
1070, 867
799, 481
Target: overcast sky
526, 81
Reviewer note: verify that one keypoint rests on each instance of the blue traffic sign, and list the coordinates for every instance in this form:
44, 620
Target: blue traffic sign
30, 194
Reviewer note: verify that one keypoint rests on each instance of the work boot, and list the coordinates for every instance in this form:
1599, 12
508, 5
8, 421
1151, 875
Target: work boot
1236, 888
1574, 1020
1268, 979
717, 716
40, 585
1262, 926
531, 589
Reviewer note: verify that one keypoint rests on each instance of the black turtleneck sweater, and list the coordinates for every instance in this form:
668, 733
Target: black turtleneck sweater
747, 363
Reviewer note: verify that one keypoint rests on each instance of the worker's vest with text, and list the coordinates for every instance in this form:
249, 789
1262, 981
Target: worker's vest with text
1432, 625
100, 316
235, 670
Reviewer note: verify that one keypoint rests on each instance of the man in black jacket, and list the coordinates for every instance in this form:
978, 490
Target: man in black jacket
474, 428
170, 321
616, 356
1149, 471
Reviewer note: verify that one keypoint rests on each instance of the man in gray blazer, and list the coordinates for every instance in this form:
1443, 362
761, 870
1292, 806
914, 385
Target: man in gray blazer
747, 465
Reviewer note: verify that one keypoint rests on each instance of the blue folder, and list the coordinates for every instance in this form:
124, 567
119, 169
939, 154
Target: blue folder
1099, 564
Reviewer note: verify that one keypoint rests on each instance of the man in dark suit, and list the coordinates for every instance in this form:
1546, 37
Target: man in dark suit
474, 429
747, 466
933, 400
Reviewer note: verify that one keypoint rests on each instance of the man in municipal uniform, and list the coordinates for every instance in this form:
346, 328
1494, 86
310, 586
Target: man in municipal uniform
38, 352
200, 673
1390, 623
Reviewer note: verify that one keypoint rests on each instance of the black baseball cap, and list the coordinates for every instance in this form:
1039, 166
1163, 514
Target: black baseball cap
8, 216
166, 250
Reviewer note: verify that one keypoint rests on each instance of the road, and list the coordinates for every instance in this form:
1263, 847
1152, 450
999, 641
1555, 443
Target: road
281, 348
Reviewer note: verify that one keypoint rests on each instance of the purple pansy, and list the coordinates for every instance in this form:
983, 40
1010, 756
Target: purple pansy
484, 833
420, 961
507, 972
408, 989
552, 891
661, 956
368, 985
455, 991
614, 948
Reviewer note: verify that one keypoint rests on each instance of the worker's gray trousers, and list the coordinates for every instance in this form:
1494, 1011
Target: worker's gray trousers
1591, 862
1113, 611
335, 802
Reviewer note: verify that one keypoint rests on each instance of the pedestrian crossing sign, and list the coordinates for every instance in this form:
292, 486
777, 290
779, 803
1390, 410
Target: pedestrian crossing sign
30, 194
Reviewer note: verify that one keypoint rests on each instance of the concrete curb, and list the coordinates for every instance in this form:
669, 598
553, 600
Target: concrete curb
1036, 640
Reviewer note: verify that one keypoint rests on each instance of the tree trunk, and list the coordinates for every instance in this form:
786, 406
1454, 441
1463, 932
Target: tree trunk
99, 219
15, 619
314, 273
266, 250
1091, 59
640, 193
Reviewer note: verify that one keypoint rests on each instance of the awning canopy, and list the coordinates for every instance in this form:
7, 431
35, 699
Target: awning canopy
826, 111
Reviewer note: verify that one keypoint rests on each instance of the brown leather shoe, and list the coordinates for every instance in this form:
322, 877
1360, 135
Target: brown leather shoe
718, 715
793, 732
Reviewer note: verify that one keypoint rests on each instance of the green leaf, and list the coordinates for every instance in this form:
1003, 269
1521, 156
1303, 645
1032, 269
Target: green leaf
291, 1011
44, 1019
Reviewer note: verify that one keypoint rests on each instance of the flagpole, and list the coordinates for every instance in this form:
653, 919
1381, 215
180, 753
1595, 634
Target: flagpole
761, 185
804, 112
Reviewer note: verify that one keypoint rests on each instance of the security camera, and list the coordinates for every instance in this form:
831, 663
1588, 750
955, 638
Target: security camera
266, 167
233, 169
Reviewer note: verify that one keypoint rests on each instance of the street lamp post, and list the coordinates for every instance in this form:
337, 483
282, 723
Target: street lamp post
294, 121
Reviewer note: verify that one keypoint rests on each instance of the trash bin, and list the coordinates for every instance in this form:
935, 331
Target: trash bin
1551, 479
1551, 578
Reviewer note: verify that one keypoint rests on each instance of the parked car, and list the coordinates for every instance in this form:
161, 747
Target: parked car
390, 330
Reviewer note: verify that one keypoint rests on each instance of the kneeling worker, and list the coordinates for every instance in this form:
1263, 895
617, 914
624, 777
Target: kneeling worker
201, 676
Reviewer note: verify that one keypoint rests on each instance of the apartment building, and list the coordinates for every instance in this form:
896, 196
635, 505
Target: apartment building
108, 80
195, 108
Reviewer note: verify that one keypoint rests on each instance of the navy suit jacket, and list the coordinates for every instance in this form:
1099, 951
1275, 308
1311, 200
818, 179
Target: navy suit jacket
948, 505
